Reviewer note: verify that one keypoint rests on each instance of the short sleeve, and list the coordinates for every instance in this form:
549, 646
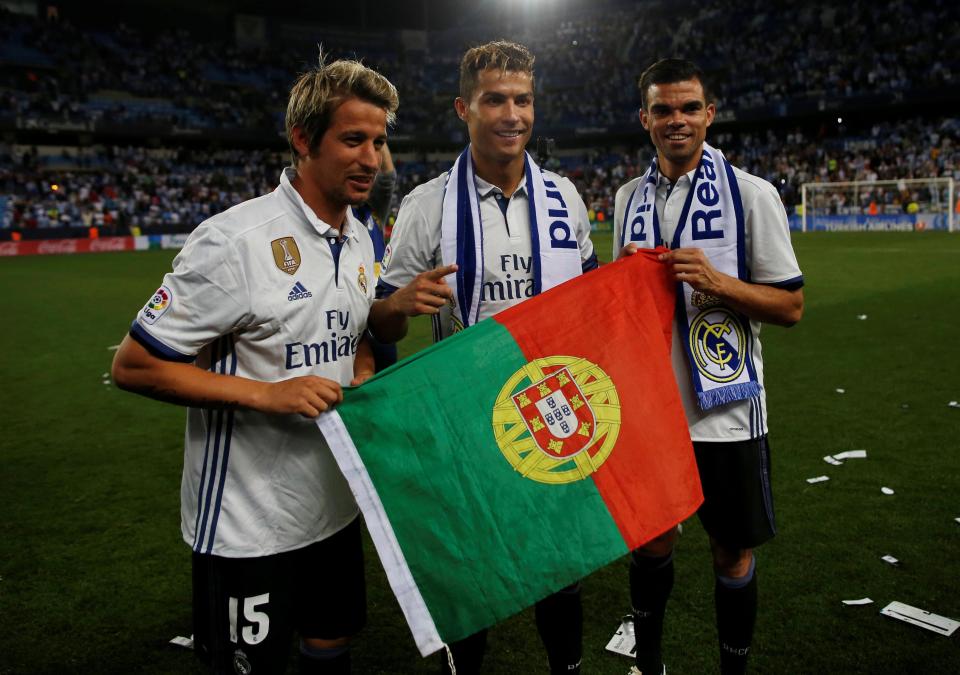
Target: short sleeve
771, 259
413, 245
204, 297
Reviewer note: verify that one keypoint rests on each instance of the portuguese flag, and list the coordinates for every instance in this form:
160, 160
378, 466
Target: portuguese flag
522, 454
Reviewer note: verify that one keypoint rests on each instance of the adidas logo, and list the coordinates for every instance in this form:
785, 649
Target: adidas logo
298, 292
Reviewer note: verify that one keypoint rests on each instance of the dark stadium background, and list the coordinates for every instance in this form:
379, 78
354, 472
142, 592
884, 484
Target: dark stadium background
147, 117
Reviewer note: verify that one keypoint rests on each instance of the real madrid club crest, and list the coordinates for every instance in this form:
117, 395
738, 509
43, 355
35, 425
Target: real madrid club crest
362, 279
717, 342
556, 420
286, 254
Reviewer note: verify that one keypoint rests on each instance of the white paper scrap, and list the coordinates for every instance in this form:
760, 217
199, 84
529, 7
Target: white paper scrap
890, 559
851, 454
830, 459
623, 641
920, 617
841, 391
954, 404
818, 479
886, 490
185, 642
862, 317
861, 601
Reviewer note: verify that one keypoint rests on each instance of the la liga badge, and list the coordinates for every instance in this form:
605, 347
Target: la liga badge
157, 305
556, 420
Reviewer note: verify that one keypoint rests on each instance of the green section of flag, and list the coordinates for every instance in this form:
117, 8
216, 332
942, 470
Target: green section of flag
482, 542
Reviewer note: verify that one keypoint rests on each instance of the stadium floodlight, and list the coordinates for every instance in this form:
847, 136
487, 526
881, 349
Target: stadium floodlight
907, 204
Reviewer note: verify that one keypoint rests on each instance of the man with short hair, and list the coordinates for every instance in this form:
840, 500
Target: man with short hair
735, 268
257, 328
511, 231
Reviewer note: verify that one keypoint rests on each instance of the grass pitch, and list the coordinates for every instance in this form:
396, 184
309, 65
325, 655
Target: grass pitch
95, 578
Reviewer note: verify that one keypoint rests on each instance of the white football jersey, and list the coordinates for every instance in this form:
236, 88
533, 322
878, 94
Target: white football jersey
507, 249
769, 260
256, 293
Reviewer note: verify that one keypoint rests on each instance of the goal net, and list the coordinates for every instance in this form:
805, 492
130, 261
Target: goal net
909, 204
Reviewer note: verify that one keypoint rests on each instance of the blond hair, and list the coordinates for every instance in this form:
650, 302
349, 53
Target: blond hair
500, 54
320, 91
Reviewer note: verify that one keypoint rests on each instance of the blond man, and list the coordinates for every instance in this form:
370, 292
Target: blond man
256, 330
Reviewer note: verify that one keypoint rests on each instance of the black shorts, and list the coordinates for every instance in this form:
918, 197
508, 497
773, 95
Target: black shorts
245, 610
737, 507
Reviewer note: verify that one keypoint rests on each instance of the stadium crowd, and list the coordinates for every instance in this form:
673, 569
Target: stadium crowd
797, 54
172, 190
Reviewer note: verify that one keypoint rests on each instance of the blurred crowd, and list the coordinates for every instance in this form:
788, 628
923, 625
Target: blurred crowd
759, 54
158, 190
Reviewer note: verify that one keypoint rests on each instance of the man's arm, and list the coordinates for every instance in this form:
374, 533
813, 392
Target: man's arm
761, 302
381, 194
136, 369
364, 366
426, 294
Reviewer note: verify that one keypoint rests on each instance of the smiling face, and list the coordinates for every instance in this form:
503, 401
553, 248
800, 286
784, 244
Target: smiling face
677, 116
499, 116
339, 172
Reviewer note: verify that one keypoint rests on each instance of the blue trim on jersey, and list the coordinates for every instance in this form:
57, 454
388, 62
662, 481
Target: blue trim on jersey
157, 348
788, 285
385, 290
590, 263
218, 366
336, 246
206, 451
226, 453
534, 231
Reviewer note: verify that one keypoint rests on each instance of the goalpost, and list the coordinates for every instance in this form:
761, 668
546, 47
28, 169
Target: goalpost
908, 204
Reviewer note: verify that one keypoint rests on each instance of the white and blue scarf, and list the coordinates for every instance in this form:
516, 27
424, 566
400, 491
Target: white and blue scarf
717, 338
555, 259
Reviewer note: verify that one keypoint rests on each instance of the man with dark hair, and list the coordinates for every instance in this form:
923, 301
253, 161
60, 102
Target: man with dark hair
257, 328
510, 230
735, 268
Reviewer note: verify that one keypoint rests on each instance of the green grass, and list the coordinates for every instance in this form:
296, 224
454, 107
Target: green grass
96, 579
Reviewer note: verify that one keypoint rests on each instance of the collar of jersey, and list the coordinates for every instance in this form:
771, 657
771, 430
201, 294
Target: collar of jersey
322, 228
664, 181
485, 189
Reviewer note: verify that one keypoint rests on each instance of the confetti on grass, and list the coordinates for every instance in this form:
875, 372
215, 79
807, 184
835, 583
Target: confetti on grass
851, 454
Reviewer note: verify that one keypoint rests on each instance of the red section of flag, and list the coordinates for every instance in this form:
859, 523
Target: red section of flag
649, 482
